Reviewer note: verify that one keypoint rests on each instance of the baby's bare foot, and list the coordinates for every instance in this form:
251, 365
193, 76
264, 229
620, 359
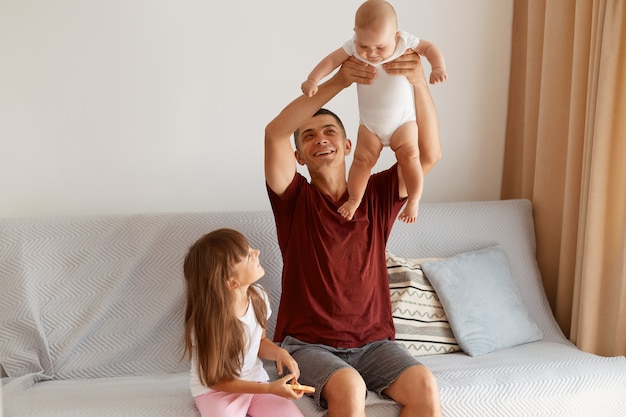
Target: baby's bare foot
347, 209
409, 214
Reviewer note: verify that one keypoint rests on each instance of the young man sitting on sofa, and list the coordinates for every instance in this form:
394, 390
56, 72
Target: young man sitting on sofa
334, 315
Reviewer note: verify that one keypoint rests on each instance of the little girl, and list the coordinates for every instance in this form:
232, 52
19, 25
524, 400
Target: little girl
225, 321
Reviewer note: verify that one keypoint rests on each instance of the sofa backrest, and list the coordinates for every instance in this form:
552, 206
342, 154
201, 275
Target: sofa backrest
98, 296
103, 295
446, 229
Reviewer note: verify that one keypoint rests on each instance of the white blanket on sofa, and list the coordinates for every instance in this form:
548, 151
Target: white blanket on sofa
91, 317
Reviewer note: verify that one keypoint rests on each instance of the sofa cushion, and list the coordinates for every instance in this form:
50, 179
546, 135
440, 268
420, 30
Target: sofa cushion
479, 295
420, 320
153, 395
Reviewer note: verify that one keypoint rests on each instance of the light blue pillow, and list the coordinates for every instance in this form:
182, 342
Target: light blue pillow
482, 303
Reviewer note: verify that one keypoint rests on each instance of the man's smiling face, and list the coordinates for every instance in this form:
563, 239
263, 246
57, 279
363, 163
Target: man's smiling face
321, 141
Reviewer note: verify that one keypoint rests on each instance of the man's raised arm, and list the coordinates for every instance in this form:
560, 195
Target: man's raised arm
410, 65
280, 161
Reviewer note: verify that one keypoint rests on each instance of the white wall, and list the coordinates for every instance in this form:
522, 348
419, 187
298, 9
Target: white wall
114, 106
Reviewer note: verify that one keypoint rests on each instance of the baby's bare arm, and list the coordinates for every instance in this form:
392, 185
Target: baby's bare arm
435, 57
321, 70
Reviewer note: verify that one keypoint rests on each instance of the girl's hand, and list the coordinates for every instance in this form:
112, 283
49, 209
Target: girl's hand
284, 359
281, 388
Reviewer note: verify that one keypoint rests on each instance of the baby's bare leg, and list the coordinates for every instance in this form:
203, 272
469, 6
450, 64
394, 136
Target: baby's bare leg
404, 143
368, 148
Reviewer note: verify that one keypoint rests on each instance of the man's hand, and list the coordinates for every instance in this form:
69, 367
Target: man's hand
355, 71
409, 65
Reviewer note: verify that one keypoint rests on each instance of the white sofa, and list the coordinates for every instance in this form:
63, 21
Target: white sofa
91, 317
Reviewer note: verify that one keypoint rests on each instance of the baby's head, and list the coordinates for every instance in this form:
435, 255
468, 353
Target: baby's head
375, 30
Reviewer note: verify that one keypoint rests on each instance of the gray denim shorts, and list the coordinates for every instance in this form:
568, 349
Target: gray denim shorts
379, 363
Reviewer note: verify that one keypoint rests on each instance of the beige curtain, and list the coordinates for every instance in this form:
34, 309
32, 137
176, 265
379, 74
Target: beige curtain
566, 152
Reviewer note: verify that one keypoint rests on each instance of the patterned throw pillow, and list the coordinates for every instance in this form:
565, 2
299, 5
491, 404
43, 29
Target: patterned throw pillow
420, 321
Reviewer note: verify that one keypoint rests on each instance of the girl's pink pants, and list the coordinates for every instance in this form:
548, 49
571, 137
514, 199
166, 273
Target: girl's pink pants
226, 404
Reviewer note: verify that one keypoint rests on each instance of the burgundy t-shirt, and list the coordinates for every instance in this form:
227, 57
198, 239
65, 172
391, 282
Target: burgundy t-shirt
335, 289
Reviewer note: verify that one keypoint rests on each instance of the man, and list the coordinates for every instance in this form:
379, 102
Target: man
335, 313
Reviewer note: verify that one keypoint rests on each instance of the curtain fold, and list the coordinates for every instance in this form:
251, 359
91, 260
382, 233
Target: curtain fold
566, 151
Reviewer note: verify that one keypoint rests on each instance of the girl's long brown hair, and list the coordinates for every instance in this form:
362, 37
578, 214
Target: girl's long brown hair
213, 332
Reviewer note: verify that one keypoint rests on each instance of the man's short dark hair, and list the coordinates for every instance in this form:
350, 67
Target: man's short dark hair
321, 111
